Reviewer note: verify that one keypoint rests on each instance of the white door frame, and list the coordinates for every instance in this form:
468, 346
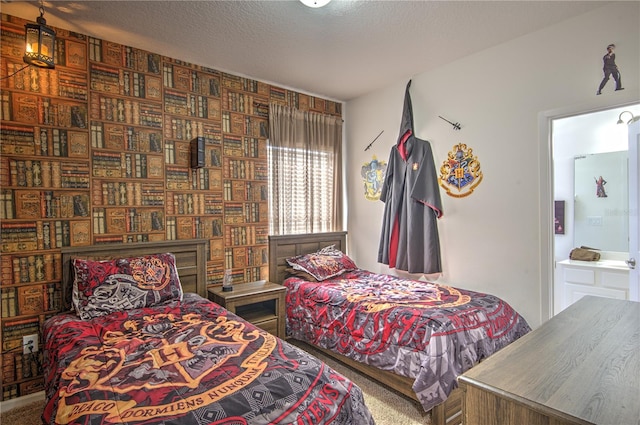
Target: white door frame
634, 207
546, 189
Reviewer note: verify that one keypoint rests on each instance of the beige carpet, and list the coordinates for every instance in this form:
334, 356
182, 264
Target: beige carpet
387, 407
25, 415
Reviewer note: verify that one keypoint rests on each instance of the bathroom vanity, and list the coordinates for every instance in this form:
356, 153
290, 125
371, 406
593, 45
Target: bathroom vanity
608, 277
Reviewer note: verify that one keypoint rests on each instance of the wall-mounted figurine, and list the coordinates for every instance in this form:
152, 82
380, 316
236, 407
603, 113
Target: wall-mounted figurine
610, 69
600, 192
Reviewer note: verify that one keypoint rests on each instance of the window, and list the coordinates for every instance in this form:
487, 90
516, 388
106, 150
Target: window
305, 174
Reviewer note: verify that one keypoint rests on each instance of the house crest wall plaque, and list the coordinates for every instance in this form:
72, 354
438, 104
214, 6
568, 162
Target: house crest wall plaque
372, 177
460, 173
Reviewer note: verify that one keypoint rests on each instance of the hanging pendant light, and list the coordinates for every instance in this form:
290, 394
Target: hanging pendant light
39, 43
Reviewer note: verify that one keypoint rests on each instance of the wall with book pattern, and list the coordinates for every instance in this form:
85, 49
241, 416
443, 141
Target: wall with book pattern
96, 151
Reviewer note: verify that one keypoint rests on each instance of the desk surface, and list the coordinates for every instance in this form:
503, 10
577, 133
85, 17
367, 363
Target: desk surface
584, 363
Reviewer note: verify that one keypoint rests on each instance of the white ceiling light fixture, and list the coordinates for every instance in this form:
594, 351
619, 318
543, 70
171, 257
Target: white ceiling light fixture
315, 3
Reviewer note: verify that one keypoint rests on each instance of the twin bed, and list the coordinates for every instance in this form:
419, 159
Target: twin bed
416, 337
142, 344
139, 349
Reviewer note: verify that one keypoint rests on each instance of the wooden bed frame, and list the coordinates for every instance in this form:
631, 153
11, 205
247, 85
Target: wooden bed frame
190, 261
286, 246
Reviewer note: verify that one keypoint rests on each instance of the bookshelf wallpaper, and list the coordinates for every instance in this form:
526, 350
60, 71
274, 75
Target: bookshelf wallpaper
97, 151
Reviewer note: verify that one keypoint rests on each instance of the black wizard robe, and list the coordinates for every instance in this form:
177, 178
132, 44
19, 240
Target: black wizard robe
409, 239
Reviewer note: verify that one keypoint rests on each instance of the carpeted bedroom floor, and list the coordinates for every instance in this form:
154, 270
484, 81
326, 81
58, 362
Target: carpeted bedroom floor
387, 406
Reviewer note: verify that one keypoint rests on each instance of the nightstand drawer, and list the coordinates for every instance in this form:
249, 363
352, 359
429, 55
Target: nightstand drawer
270, 326
257, 313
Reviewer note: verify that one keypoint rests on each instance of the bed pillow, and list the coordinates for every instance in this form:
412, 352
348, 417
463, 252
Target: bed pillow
290, 271
102, 287
324, 264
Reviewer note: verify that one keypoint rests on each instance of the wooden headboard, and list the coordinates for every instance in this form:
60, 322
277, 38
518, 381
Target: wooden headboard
191, 261
285, 246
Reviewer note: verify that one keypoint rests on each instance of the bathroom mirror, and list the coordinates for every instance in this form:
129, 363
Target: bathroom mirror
601, 201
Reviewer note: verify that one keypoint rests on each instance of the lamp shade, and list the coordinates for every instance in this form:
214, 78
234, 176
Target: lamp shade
39, 44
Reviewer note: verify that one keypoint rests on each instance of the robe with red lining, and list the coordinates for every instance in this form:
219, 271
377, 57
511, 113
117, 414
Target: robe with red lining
409, 239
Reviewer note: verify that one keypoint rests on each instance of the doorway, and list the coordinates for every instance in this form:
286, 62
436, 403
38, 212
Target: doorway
596, 139
605, 117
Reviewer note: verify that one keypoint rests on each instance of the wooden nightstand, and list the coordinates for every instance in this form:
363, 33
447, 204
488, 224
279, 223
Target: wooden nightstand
261, 303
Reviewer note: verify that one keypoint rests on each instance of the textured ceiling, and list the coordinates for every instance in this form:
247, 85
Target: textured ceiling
342, 51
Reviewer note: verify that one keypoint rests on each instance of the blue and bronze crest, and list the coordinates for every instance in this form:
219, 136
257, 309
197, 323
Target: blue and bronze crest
460, 173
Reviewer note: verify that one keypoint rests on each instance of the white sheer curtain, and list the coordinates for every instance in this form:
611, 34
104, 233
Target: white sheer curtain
305, 171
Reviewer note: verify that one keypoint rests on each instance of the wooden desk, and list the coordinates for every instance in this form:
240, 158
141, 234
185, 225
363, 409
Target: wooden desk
580, 367
261, 303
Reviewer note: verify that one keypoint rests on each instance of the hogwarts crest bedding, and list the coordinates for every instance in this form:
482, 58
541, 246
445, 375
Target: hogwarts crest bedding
186, 361
137, 350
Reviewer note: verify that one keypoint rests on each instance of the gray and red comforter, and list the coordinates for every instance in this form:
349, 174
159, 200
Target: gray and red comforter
425, 331
188, 362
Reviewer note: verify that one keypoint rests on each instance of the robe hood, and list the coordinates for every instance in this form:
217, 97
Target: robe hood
407, 114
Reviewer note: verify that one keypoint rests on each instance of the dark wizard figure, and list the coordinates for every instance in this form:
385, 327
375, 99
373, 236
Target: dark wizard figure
409, 240
610, 69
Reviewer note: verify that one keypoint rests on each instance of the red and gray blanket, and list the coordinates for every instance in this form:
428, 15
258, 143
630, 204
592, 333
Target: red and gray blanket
187, 362
429, 332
